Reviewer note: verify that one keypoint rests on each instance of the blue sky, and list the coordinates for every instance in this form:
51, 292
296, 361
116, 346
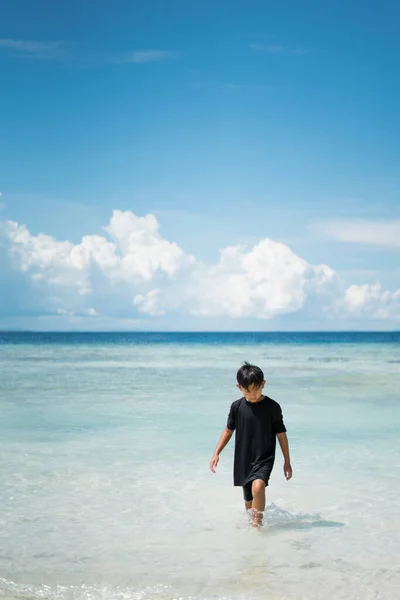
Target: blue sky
231, 123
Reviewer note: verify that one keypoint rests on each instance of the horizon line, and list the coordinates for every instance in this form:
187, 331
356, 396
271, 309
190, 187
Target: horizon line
324, 331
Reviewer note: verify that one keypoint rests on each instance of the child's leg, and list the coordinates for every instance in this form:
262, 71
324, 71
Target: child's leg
248, 496
258, 504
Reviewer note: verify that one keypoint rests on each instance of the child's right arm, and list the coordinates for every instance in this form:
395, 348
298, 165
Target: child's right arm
223, 440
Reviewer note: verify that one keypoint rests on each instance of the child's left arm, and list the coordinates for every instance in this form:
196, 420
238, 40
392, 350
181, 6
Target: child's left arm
284, 444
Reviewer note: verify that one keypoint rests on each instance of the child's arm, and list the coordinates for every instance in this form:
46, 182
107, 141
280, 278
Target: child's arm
284, 444
223, 440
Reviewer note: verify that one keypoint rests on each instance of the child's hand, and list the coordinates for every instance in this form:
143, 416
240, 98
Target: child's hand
214, 462
287, 470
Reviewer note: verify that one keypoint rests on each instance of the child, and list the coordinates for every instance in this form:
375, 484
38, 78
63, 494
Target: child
257, 421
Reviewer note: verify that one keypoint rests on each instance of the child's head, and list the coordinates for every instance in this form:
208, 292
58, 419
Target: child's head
250, 380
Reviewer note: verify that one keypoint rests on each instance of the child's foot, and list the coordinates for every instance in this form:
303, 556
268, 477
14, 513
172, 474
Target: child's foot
257, 518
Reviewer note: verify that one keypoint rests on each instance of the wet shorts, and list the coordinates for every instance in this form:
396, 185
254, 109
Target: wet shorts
247, 493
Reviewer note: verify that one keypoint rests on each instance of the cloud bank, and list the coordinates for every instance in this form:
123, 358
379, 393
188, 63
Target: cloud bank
132, 270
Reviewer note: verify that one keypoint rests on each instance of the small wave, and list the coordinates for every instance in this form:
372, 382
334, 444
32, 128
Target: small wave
14, 591
278, 518
328, 359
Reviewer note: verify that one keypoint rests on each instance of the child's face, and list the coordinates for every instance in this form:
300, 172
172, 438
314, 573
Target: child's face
253, 393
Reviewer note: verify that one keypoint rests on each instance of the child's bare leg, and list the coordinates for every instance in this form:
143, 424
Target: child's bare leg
249, 504
258, 504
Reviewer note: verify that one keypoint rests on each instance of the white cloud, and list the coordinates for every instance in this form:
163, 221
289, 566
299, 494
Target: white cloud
148, 303
250, 87
136, 252
377, 233
133, 269
149, 56
372, 301
31, 48
72, 272
59, 264
277, 49
53, 50
143, 250
90, 312
263, 282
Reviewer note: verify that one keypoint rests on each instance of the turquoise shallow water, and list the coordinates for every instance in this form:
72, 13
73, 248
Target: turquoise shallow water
105, 441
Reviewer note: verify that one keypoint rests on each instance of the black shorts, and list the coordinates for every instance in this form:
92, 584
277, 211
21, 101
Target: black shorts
247, 493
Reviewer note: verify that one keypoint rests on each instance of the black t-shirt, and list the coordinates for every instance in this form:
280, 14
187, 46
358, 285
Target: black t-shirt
256, 425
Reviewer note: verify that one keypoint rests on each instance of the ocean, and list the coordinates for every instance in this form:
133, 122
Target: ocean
106, 493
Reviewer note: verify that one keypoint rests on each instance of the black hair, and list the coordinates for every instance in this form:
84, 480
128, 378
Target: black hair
249, 374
